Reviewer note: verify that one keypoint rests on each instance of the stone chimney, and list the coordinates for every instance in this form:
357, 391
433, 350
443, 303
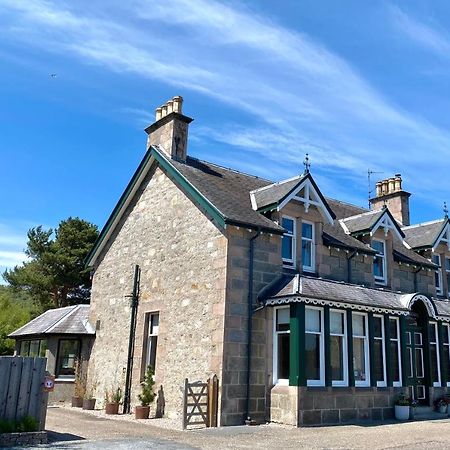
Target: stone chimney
389, 193
170, 130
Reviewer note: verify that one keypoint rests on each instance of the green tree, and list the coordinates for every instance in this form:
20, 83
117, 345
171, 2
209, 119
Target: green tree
55, 274
16, 309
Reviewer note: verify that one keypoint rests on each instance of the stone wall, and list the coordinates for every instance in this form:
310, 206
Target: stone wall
183, 259
267, 266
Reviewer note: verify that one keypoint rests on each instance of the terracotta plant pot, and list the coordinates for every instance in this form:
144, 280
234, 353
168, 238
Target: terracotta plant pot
89, 403
141, 412
77, 402
112, 408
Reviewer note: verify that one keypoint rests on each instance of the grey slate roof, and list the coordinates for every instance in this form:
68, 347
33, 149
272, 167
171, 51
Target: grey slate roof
228, 190
423, 235
442, 307
273, 193
408, 256
363, 221
69, 320
292, 285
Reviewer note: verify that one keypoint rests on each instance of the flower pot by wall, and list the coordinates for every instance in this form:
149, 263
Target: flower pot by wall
112, 408
443, 409
401, 412
89, 403
141, 412
77, 402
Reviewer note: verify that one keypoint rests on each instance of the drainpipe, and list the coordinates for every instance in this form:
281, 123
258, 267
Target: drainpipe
134, 305
349, 266
415, 277
248, 420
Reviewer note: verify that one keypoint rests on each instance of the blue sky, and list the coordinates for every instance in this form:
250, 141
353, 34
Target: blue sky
355, 84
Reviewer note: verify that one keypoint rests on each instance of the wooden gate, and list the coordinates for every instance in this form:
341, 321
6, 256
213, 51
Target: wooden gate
21, 388
200, 402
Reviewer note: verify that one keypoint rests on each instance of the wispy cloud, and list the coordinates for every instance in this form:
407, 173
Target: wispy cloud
431, 38
302, 96
13, 241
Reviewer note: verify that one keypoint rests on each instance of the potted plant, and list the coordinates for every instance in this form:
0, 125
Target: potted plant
441, 405
89, 397
79, 385
402, 405
146, 397
113, 399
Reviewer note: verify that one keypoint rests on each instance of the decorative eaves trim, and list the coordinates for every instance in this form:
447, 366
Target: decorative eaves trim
335, 304
440, 236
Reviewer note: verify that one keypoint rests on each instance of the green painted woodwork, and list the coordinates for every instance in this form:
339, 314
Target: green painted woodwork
373, 382
442, 359
297, 345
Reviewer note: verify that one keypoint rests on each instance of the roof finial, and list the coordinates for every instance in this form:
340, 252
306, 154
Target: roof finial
307, 164
445, 210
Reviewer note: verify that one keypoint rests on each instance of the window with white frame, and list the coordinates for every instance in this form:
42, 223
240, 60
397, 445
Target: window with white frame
150, 346
438, 274
379, 262
288, 242
360, 349
447, 273
314, 347
379, 354
281, 345
395, 349
434, 355
308, 247
338, 348
446, 345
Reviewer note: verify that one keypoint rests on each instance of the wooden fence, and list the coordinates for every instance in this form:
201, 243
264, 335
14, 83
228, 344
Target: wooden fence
21, 388
200, 402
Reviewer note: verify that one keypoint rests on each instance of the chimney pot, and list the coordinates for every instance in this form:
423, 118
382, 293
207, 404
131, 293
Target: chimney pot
177, 104
164, 110
398, 182
158, 113
169, 106
391, 185
378, 187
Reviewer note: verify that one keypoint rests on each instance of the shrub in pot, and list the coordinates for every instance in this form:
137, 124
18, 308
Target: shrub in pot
89, 398
401, 407
113, 400
79, 390
146, 397
441, 405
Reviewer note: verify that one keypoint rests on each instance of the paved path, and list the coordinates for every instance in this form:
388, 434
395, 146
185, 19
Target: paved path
74, 429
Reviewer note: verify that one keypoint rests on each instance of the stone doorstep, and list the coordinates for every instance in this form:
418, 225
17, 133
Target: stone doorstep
31, 438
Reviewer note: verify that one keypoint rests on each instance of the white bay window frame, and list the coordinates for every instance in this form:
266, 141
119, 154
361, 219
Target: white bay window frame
276, 336
382, 383
397, 383
436, 344
365, 338
343, 335
321, 334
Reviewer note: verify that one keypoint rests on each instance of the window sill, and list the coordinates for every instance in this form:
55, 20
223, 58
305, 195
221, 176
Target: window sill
65, 380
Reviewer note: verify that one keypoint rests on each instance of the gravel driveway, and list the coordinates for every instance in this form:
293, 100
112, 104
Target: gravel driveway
75, 429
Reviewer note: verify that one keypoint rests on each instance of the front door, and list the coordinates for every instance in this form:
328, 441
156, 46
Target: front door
416, 368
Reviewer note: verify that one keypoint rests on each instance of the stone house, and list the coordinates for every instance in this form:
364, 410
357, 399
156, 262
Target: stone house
62, 335
310, 310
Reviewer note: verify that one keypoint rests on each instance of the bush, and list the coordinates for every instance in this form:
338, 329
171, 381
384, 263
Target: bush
25, 425
147, 395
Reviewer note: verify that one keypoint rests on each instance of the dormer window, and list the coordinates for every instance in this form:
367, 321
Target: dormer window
308, 247
438, 275
289, 241
379, 262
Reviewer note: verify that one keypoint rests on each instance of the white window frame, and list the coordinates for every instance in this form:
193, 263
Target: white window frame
286, 261
311, 268
399, 349
149, 337
344, 382
366, 382
438, 356
382, 383
447, 273
383, 279
447, 330
321, 381
276, 380
439, 287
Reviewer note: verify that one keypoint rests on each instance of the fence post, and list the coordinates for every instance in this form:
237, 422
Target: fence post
213, 405
185, 403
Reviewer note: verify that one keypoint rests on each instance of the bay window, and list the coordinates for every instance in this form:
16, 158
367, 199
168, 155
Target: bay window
446, 345
360, 349
314, 346
281, 345
308, 247
379, 363
438, 274
434, 355
379, 262
395, 348
288, 242
338, 348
